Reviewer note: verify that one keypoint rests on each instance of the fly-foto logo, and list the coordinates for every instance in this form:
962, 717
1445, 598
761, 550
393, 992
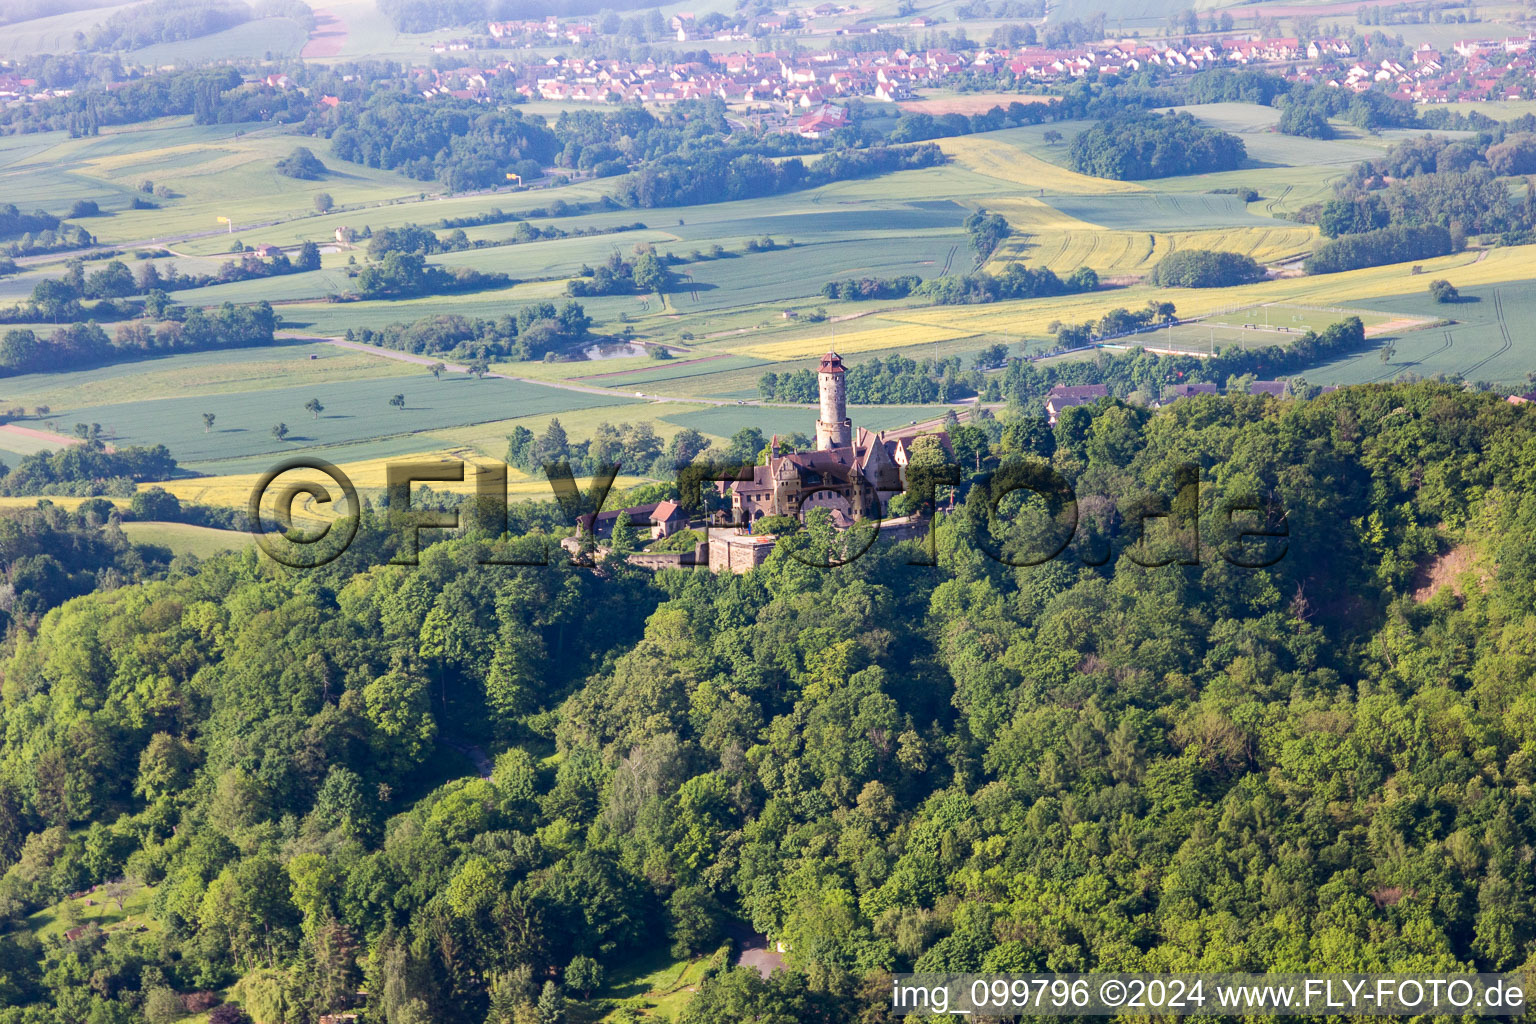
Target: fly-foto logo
1032, 514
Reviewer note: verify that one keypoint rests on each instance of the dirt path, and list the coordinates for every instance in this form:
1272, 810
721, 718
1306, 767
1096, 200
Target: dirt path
38, 435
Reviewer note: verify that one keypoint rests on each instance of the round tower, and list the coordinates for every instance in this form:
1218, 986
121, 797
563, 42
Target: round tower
834, 429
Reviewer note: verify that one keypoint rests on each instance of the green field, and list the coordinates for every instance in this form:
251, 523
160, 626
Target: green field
315, 365
732, 309
1159, 211
212, 170
356, 411
664, 373
183, 538
1488, 339
272, 38
50, 922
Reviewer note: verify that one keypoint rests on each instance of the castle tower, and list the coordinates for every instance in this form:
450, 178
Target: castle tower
834, 429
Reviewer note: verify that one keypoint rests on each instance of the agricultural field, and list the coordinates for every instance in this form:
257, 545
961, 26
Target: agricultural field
310, 364
1257, 327
887, 331
731, 319
368, 475
186, 539
1509, 268
1161, 211
277, 37
1485, 340
1003, 155
212, 170
357, 415
1045, 235
669, 371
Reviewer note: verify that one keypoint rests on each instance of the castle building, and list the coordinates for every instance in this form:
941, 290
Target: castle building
853, 474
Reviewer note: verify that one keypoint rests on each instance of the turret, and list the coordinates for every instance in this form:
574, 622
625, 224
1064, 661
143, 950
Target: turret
834, 429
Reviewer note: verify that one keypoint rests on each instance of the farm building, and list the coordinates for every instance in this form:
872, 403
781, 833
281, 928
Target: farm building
661, 518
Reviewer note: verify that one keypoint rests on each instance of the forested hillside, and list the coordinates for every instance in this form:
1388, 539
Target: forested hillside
1086, 764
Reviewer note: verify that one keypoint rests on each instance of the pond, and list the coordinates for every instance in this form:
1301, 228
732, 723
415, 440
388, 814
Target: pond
613, 350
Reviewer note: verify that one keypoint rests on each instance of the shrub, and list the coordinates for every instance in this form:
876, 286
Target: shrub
301, 163
1443, 291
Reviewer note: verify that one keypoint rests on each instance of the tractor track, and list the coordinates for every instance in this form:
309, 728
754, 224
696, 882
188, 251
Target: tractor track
1498, 311
1400, 367
949, 260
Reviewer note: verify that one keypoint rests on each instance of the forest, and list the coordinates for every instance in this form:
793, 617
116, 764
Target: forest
1136, 145
1204, 268
529, 333
1016, 281
1140, 374
1460, 185
1087, 763
1396, 244
896, 380
87, 469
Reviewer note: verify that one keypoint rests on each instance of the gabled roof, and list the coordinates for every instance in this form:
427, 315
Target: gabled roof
666, 511
1080, 392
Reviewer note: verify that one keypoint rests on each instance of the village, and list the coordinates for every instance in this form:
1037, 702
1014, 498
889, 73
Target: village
803, 82
1472, 70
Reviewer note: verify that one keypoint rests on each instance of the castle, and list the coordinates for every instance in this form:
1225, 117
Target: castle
853, 474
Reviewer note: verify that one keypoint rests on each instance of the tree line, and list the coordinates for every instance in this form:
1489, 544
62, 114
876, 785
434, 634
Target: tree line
1016, 281
719, 176
79, 345
88, 468
895, 380
1027, 383
532, 332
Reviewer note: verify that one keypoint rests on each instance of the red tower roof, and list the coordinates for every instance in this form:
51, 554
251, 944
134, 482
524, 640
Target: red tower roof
831, 363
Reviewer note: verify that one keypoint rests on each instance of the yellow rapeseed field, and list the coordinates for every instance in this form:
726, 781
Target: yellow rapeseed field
1045, 237
1032, 316
234, 490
